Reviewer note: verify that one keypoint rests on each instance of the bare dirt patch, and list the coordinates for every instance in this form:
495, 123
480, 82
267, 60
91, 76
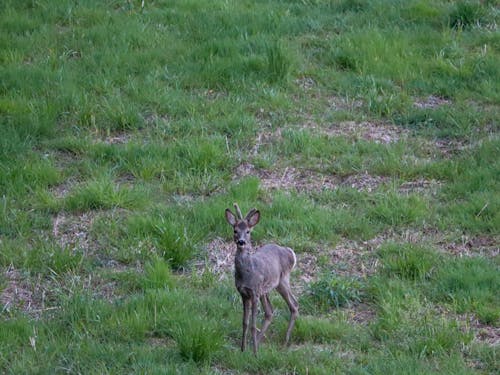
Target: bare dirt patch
338, 103
305, 83
353, 258
484, 246
62, 190
302, 180
419, 186
73, 231
18, 294
114, 139
431, 102
265, 137
464, 246
361, 313
483, 333
288, 178
487, 334
369, 131
220, 256
364, 182
348, 258
378, 132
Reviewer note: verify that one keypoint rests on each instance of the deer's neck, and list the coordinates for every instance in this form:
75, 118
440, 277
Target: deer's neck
243, 254
242, 265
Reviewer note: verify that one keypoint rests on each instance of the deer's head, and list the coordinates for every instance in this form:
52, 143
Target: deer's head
242, 226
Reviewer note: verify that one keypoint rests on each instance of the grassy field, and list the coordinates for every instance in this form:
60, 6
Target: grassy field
366, 132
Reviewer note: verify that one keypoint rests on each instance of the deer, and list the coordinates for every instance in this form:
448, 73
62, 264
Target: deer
259, 272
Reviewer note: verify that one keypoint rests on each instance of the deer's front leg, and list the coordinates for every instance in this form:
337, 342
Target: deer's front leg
255, 307
246, 316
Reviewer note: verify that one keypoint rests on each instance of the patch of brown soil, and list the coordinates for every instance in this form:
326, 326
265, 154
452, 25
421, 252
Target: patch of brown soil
289, 178
368, 131
61, 191
484, 246
419, 186
450, 147
456, 147
361, 313
116, 138
488, 335
364, 182
73, 231
431, 102
220, 255
307, 265
484, 334
352, 258
305, 83
18, 293
337, 103
265, 137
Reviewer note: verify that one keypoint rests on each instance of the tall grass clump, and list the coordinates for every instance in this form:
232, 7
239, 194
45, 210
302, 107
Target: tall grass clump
466, 14
103, 193
333, 291
158, 275
174, 244
197, 339
408, 261
469, 285
279, 62
319, 330
469, 200
397, 210
407, 324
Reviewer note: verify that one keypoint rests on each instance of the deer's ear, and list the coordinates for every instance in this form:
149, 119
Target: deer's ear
231, 219
253, 217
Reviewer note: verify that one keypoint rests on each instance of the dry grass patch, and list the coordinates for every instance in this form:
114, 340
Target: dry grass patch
289, 178
360, 313
420, 186
220, 256
364, 182
369, 131
483, 246
431, 102
73, 231
306, 180
19, 293
338, 103
483, 333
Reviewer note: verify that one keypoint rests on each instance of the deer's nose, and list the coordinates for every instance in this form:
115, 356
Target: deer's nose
240, 242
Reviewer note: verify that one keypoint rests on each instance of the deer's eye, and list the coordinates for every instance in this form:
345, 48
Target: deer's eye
248, 232
235, 232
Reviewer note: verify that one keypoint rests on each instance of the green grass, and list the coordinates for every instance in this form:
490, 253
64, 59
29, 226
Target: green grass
127, 128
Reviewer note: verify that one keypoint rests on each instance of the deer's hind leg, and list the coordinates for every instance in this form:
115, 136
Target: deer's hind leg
268, 315
286, 292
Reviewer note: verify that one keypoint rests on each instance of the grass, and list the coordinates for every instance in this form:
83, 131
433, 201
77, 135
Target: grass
365, 132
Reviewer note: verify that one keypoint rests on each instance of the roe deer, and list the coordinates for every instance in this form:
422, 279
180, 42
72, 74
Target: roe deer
257, 273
